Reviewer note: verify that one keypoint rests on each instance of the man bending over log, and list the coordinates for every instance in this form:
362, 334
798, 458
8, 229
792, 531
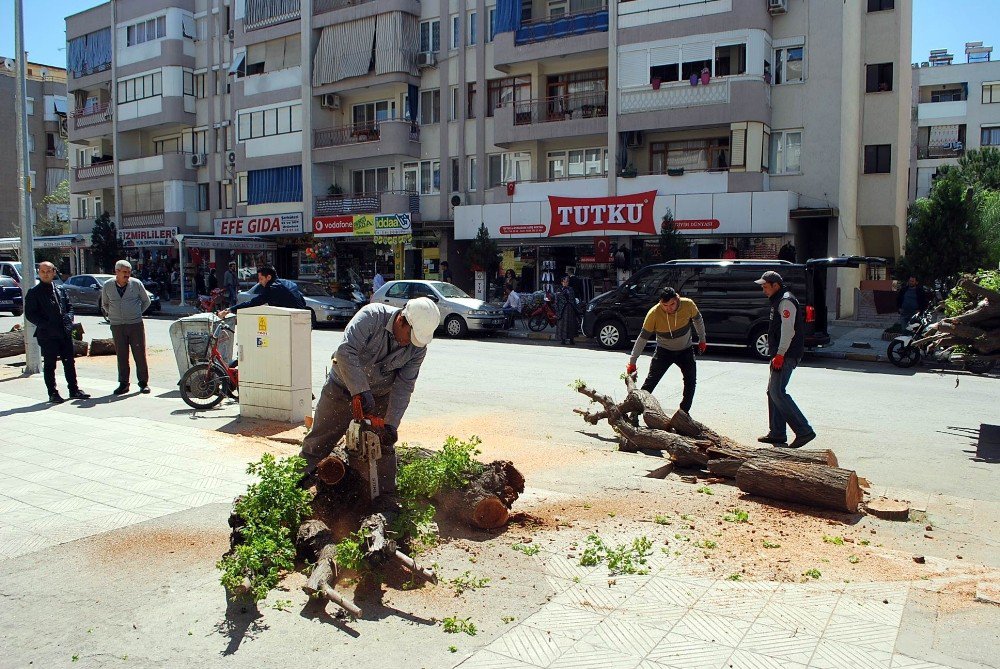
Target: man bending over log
671, 321
377, 363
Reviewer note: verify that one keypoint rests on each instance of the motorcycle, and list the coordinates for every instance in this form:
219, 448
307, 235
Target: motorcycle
903, 353
542, 316
212, 302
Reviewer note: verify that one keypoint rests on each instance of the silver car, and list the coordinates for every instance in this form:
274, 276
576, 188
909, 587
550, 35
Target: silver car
84, 291
325, 307
460, 312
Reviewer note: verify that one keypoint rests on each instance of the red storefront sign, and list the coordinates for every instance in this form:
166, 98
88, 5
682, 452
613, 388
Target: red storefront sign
697, 224
521, 229
333, 226
628, 213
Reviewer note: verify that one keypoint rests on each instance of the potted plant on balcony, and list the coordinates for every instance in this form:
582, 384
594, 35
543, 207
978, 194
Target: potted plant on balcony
629, 172
334, 189
675, 171
656, 81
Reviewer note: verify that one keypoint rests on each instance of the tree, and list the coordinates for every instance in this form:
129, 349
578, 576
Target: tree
672, 243
944, 234
52, 224
484, 254
105, 244
980, 169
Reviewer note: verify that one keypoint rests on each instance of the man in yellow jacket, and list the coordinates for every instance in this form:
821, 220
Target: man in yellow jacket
671, 321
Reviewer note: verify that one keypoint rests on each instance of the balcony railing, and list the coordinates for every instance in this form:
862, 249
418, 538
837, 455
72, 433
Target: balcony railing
266, 13
84, 117
323, 6
566, 25
365, 203
142, 219
674, 96
358, 133
561, 108
930, 152
95, 170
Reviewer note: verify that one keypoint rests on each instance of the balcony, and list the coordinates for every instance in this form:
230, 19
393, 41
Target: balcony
173, 166
323, 6
94, 171
364, 140
954, 150
553, 37
573, 115
933, 111
389, 202
722, 101
266, 13
143, 219
86, 117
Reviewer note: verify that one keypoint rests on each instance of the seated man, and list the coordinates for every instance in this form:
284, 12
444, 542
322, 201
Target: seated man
511, 307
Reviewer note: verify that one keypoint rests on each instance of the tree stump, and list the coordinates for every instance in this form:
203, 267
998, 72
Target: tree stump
315, 538
11, 343
810, 484
102, 347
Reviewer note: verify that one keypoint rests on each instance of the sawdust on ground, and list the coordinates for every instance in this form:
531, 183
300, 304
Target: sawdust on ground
143, 547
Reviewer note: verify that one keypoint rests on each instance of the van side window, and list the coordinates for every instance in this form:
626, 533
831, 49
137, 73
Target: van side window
647, 283
708, 282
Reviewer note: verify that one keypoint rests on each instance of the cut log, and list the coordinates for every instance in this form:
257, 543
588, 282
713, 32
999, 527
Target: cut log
812, 485
684, 451
973, 288
11, 343
818, 456
725, 467
315, 538
80, 348
332, 468
102, 347
888, 509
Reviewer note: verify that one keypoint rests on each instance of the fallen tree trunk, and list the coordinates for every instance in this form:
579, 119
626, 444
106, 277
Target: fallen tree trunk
684, 451
314, 538
102, 347
813, 485
725, 467
12, 343
743, 453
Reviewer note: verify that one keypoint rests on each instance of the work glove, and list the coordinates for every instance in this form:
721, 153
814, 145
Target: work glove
630, 369
702, 346
777, 362
391, 435
365, 402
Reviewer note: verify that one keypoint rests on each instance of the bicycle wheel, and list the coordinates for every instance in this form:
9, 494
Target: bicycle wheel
537, 323
201, 387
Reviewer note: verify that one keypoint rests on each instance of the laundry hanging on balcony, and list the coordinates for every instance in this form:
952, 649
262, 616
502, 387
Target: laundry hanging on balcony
89, 53
397, 44
277, 184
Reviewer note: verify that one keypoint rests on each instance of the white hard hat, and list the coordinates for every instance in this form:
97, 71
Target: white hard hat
423, 316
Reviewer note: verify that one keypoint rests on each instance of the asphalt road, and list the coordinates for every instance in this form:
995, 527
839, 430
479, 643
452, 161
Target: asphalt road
906, 429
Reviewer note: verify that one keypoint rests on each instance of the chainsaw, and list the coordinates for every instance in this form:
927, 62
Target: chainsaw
365, 454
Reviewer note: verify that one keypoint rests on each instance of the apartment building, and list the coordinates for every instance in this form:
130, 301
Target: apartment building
47, 147
957, 108
390, 130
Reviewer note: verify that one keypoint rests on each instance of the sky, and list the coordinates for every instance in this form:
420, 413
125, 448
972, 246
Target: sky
937, 24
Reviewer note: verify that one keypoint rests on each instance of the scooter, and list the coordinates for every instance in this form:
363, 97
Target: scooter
212, 302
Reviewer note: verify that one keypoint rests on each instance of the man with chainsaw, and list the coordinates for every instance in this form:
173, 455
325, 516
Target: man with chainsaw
373, 375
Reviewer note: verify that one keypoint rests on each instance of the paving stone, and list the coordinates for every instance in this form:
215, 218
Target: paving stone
836, 655
742, 659
626, 635
568, 621
711, 627
585, 655
783, 644
531, 645
486, 659
682, 652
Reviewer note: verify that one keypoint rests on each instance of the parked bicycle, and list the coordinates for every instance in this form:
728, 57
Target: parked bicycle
212, 302
207, 383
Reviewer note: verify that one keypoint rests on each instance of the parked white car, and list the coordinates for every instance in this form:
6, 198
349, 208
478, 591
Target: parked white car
325, 307
460, 313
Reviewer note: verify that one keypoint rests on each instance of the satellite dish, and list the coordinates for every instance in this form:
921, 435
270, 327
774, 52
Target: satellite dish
8, 64
43, 73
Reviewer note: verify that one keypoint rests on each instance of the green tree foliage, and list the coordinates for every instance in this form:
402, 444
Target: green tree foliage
673, 245
484, 252
48, 226
106, 246
980, 168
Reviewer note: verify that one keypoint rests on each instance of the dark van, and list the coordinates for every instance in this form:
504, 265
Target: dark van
734, 308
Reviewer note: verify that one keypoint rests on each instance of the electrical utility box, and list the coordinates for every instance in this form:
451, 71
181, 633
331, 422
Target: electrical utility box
275, 363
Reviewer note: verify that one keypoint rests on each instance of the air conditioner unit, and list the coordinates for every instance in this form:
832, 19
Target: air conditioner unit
196, 160
456, 200
231, 35
231, 157
777, 6
634, 140
427, 59
330, 101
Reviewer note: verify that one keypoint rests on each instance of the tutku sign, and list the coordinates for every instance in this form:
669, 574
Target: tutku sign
624, 214
255, 226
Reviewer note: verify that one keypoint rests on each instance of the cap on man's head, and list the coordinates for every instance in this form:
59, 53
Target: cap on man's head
769, 276
423, 316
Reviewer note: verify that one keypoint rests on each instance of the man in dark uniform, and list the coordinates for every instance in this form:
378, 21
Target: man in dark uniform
785, 346
47, 307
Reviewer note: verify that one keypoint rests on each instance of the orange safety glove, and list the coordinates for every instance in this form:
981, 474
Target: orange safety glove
777, 362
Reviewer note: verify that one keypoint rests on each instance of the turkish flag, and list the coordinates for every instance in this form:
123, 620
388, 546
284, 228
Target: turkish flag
602, 250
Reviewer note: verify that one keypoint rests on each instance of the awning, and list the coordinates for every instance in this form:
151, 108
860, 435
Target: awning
237, 63
59, 104
53, 242
226, 243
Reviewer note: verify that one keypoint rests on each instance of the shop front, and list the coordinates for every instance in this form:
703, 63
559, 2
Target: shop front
67, 252
354, 247
149, 249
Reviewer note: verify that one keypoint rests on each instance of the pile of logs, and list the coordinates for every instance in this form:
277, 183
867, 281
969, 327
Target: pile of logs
977, 328
12, 343
809, 477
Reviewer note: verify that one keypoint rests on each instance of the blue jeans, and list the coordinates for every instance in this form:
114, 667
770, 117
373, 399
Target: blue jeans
781, 408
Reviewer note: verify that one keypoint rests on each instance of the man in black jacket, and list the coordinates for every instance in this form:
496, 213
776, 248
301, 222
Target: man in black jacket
47, 307
273, 291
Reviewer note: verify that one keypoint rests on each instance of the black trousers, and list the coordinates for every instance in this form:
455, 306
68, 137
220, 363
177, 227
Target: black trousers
662, 360
54, 350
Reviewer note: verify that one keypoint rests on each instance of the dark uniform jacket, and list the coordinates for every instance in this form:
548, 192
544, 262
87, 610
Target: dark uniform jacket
48, 308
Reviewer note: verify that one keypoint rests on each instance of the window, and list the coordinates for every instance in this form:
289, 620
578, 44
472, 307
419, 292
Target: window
241, 188
491, 18
198, 84
166, 145
271, 56
142, 198
990, 136
576, 163
878, 158
473, 29
267, 122
83, 208
694, 154
140, 88
423, 177
647, 283
455, 37
371, 112
188, 82
30, 104
430, 107
146, 31
878, 78
473, 181
203, 204
507, 167
470, 111
373, 180
31, 143
430, 36
456, 173
730, 60
786, 152
225, 195
948, 95
507, 90
572, 83
51, 144
456, 105
788, 65
398, 290
881, 5
991, 93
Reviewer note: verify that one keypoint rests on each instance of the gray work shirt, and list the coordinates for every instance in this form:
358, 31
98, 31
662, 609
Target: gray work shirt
370, 358
126, 308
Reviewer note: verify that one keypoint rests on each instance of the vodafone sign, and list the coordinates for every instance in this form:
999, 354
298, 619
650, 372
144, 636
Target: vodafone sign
625, 214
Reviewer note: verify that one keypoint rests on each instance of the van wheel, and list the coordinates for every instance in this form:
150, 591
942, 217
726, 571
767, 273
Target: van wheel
758, 343
611, 335
455, 327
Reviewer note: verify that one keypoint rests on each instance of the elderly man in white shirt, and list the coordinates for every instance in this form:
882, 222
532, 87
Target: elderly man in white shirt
512, 307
